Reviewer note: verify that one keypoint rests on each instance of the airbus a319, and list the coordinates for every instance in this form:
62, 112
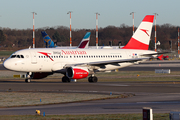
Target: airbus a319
81, 63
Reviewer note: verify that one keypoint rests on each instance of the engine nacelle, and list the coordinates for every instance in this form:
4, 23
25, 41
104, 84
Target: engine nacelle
75, 72
38, 75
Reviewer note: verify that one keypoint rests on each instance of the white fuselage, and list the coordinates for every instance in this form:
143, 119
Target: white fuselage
54, 59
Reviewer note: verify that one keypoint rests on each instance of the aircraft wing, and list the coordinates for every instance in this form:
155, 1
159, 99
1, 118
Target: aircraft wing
99, 63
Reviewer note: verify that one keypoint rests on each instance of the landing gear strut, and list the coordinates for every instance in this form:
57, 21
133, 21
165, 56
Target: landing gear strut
92, 79
65, 79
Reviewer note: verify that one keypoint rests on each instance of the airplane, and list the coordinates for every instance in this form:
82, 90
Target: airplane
50, 44
81, 63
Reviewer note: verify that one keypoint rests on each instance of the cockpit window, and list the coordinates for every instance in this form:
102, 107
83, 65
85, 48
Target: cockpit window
22, 56
17, 56
13, 56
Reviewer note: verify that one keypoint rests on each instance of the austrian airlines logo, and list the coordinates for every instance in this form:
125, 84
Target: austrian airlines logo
145, 31
46, 54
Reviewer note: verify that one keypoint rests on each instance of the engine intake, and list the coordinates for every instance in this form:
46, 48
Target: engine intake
75, 72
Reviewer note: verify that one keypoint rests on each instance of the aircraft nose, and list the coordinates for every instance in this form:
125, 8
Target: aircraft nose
7, 64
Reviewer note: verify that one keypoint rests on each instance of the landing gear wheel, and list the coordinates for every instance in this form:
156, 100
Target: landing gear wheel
93, 79
27, 80
65, 79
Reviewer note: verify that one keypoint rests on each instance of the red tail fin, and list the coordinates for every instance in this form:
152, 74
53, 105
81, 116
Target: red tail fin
140, 39
160, 57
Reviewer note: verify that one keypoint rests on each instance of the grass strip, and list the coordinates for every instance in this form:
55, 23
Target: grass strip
14, 99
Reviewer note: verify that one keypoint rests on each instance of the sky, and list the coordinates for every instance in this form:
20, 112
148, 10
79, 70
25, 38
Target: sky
17, 14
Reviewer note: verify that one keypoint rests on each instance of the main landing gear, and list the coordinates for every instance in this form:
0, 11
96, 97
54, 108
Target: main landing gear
92, 79
65, 79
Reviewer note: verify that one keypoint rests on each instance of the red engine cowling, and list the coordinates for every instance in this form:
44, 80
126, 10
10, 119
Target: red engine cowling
75, 72
38, 75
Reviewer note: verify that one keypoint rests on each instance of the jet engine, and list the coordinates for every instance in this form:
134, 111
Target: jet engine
76, 72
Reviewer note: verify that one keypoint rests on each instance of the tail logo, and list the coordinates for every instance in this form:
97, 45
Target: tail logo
145, 31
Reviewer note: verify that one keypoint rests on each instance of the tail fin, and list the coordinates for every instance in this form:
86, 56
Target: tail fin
140, 39
85, 41
160, 57
47, 40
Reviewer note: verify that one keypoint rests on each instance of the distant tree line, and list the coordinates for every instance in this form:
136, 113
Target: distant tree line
13, 39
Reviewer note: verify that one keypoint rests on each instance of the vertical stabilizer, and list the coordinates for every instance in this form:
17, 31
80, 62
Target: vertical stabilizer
141, 37
85, 41
47, 40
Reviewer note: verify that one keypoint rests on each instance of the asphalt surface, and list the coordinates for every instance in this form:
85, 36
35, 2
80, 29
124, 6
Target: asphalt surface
161, 97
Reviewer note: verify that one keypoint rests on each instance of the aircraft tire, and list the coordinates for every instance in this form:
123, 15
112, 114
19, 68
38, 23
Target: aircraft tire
65, 79
90, 79
27, 80
93, 79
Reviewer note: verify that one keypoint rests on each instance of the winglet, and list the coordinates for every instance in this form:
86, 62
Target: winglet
85, 41
47, 40
140, 39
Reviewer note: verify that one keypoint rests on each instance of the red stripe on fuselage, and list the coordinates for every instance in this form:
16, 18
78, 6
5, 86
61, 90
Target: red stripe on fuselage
134, 44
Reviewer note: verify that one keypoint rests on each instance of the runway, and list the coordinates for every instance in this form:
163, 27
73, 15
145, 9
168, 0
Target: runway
162, 97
